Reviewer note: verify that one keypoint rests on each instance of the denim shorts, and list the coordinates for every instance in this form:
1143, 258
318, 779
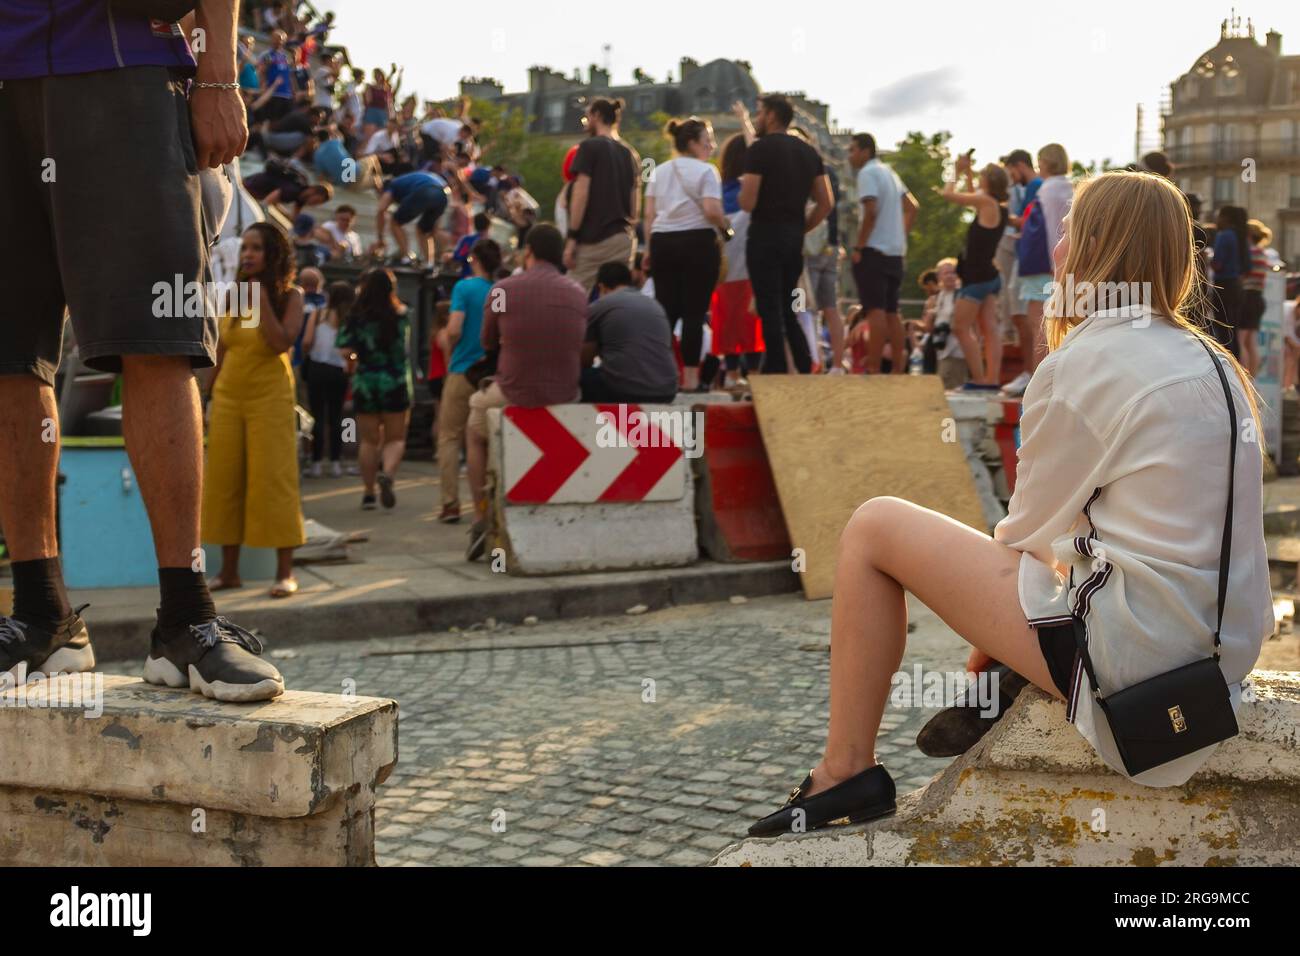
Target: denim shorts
979, 291
1036, 288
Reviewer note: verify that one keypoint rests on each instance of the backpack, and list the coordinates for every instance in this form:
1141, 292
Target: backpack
1032, 249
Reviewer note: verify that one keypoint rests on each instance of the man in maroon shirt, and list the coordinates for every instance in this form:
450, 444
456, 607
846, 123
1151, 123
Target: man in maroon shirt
538, 320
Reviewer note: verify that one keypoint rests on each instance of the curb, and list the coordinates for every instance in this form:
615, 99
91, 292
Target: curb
285, 625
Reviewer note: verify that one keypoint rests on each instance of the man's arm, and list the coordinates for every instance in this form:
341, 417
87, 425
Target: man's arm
217, 117
910, 207
867, 223
578, 200
821, 196
749, 184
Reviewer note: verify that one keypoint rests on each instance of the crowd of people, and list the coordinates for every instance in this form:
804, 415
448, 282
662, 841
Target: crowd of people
722, 262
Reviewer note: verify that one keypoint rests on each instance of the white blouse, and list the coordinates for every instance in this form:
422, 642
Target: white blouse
1121, 489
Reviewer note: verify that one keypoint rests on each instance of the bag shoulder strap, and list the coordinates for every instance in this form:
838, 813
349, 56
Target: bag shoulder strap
1225, 545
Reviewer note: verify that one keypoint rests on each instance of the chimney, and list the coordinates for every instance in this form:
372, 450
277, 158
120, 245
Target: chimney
1273, 42
688, 66
599, 77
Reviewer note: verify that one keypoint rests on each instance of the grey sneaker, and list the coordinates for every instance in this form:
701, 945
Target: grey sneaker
218, 659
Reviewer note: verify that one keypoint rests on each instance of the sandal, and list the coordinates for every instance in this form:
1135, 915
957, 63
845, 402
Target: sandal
221, 584
285, 587
867, 796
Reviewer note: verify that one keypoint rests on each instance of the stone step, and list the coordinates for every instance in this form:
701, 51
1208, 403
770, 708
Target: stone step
296, 776
1033, 792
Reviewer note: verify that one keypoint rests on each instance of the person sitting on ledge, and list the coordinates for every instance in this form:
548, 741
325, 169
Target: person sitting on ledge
630, 333
1117, 522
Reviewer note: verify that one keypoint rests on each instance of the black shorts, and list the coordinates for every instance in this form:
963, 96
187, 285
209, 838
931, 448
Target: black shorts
1056, 641
428, 203
1252, 310
100, 212
879, 278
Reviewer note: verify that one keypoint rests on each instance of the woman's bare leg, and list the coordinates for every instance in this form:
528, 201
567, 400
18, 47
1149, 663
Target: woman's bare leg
964, 313
965, 577
394, 447
368, 453
988, 323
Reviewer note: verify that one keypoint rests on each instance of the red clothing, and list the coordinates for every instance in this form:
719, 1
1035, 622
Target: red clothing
539, 320
736, 326
437, 363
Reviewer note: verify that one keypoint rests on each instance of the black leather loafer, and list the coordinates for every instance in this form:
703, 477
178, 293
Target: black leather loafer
954, 730
867, 796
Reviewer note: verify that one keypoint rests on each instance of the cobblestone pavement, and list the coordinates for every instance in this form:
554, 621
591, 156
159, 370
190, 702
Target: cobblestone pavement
651, 739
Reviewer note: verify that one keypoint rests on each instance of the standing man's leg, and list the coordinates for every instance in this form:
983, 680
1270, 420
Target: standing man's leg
762, 258
456, 391
791, 266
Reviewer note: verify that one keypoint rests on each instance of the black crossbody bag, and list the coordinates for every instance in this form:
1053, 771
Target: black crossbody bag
1176, 713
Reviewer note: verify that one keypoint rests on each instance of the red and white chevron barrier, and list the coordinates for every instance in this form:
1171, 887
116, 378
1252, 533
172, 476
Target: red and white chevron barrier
584, 454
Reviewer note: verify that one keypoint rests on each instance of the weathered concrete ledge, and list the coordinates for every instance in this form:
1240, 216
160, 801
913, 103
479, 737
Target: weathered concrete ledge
166, 777
1034, 793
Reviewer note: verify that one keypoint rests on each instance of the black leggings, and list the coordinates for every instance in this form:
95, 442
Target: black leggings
326, 386
685, 269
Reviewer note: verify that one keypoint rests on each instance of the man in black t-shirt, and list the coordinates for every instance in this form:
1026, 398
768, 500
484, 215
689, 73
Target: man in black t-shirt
606, 197
781, 173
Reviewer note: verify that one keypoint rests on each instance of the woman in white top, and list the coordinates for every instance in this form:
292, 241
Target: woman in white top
683, 208
327, 377
1117, 516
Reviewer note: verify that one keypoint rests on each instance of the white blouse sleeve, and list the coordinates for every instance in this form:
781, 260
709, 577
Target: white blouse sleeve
1059, 461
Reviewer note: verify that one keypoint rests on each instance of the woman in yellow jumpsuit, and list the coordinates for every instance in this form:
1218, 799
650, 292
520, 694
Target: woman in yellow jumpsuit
250, 489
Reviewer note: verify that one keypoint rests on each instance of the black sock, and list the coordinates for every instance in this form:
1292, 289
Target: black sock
185, 598
39, 595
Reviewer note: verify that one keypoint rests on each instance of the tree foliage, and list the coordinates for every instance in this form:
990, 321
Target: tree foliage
921, 161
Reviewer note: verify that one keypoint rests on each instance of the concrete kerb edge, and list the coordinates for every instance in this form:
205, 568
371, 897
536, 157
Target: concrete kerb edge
288, 625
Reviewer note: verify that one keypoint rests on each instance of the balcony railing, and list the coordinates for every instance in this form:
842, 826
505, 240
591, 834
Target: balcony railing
1235, 151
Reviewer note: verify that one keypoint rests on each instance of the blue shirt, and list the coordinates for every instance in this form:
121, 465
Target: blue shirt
330, 159
468, 296
1031, 191
61, 37
731, 197
403, 186
279, 74
1227, 256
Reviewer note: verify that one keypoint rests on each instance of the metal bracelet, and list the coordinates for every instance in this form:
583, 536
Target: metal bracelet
216, 86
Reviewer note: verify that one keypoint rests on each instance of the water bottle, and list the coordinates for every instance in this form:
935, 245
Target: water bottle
914, 363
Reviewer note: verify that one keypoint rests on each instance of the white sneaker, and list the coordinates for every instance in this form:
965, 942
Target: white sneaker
835, 370
336, 469
314, 471
1017, 385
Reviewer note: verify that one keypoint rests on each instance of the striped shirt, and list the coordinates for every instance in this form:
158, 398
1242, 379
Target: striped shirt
1121, 490
538, 319
1253, 281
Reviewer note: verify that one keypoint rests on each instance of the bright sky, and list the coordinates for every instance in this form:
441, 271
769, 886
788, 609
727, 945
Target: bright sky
1072, 72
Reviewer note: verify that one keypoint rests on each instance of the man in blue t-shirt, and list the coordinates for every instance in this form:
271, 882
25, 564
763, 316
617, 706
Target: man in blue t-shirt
463, 338
275, 70
460, 256
415, 194
1024, 187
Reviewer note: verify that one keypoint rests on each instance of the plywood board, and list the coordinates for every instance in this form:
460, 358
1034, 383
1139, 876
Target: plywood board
836, 441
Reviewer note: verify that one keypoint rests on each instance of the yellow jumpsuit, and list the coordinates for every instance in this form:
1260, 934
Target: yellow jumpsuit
250, 488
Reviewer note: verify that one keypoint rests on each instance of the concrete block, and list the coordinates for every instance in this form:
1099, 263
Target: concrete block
564, 537
1032, 792
296, 776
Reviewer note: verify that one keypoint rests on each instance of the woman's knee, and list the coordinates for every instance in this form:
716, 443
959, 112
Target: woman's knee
873, 522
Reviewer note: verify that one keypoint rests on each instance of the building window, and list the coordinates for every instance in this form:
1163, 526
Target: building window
643, 103
555, 115
1295, 192
1225, 190
1190, 88
1226, 84
704, 102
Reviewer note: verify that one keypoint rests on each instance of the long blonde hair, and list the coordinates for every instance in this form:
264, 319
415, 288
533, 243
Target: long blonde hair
1134, 230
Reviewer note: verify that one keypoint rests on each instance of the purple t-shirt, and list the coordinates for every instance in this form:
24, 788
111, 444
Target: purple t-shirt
59, 37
